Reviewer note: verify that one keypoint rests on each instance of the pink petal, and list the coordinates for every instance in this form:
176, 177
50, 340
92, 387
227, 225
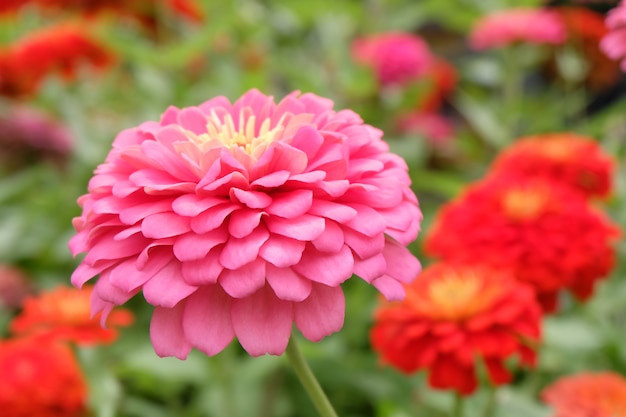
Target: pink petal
206, 320
291, 204
305, 227
262, 322
363, 246
370, 268
110, 293
271, 180
331, 240
193, 246
126, 277
167, 288
133, 213
163, 225
192, 118
166, 332
212, 218
322, 313
85, 272
108, 248
238, 252
242, 222
339, 212
152, 179
191, 204
242, 282
309, 140
202, 271
287, 284
368, 221
252, 199
326, 268
279, 157
282, 251
390, 288
401, 263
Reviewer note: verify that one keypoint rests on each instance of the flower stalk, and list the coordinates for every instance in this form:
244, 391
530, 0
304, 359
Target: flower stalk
308, 380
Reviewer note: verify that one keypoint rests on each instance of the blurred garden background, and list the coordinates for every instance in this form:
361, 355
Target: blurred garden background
73, 74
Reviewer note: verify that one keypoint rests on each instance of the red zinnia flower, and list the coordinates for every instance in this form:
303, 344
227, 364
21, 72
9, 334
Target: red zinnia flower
242, 219
60, 49
547, 235
395, 57
40, 379
506, 27
454, 315
573, 160
64, 314
601, 394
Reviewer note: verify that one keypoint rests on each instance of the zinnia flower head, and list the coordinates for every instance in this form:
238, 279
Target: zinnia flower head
238, 220
547, 235
40, 379
59, 50
395, 57
601, 394
614, 43
506, 27
575, 161
454, 315
64, 314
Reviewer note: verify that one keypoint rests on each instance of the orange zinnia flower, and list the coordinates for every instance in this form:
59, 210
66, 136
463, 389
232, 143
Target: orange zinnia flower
573, 160
453, 315
546, 234
65, 314
600, 394
40, 379
60, 49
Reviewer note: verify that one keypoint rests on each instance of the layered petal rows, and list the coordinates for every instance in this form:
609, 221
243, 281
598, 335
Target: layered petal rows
238, 220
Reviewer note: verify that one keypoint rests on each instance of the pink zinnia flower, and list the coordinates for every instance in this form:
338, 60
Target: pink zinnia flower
614, 43
395, 57
505, 27
238, 220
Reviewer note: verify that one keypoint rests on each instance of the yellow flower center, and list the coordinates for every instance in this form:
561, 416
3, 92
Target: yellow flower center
244, 136
524, 204
456, 295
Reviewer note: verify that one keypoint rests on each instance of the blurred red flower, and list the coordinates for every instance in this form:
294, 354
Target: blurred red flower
65, 314
454, 315
614, 43
395, 57
585, 29
40, 379
443, 78
601, 394
59, 49
547, 235
573, 160
505, 27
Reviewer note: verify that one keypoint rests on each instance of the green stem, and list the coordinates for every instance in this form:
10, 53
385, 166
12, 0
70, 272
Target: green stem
457, 411
490, 405
306, 377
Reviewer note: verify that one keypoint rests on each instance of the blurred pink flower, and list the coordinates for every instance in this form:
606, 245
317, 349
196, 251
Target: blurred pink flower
395, 57
27, 133
614, 43
435, 128
505, 27
238, 220
14, 287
